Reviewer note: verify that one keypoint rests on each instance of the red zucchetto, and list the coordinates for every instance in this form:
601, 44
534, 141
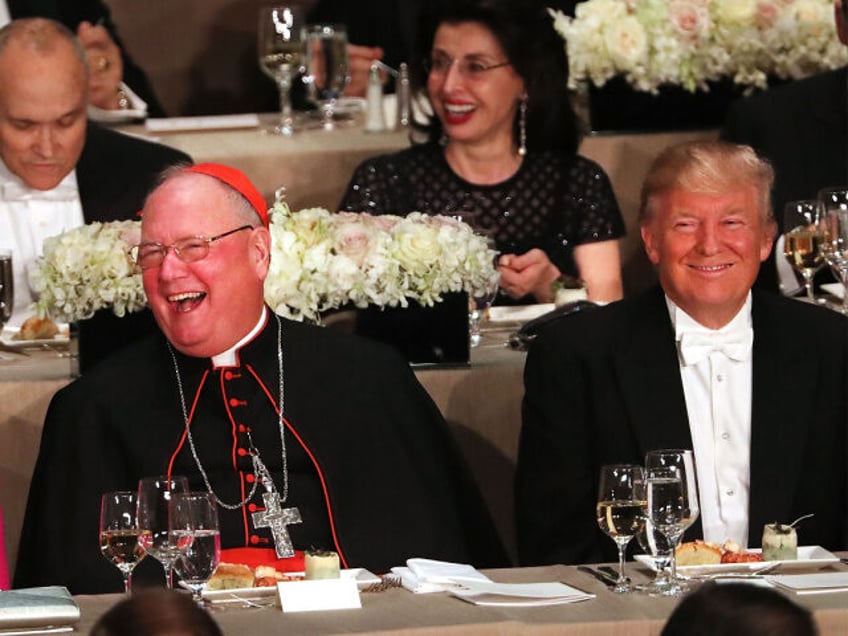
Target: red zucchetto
237, 180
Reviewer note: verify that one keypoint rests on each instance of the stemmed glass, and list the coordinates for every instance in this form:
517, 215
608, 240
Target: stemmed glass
835, 246
280, 55
662, 466
154, 497
326, 67
7, 287
122, 540
803, 239
483, 298
621, 510
194, 524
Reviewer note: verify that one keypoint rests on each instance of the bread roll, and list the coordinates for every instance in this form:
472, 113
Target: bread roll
698, 553
230, 576
35, 328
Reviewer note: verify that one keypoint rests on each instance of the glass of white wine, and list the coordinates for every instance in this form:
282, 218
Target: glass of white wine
194, 524
326, 71
621, 510
835, 248
803, 239
281, 56
122, 541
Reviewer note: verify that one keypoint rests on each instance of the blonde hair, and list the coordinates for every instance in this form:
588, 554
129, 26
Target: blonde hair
707, 167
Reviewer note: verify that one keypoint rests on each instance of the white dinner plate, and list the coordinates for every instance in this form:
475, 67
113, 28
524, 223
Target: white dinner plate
810, 557
9, 338
834, 288
363, 577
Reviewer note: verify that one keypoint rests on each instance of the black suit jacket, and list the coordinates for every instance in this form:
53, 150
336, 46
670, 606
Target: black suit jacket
802, 128
71, 13
114, 174
604, 387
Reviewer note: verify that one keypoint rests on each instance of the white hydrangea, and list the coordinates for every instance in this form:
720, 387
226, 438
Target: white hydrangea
319, 261
693, 42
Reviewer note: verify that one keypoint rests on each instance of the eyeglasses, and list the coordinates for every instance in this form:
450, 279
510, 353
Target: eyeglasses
469, 68
188, 250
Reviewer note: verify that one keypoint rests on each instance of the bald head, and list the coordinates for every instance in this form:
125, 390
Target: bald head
43, 101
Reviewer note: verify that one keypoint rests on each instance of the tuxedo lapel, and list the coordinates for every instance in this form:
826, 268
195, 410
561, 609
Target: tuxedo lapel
649, 375
784, 377
823, 160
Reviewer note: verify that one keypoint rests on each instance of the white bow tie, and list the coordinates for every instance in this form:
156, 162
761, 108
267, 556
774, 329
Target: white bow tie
15, 191
696, 346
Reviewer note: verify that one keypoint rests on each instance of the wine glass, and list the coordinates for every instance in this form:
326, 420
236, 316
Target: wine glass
682, 462
326, 67
667, 514
621, 509
154, 497
835, 247
482, 298
7, 287
280, 55
803, 239
194, 524
122, 540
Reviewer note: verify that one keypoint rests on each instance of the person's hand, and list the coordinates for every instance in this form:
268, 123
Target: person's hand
528, 273
359, 60
105, 67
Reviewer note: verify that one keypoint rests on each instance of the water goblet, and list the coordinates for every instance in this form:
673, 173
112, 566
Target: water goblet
194, 524
7, 287
154, 497
660, 550
281, 56
483, 297
326, 70
682, 462
666, 512
621, 510
122, 540
803, 239
835, 247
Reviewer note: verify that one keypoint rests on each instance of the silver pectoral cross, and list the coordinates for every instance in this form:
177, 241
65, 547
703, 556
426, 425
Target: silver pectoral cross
277, 518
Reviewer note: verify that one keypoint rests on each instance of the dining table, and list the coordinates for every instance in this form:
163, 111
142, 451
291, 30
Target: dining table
396, 611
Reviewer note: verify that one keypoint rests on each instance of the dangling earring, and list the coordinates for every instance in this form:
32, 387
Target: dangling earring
522, 126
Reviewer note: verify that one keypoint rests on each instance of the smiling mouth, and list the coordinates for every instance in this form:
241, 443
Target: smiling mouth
459, 109
186, 301
709, 269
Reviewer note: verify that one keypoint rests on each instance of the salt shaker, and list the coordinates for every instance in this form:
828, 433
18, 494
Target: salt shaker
374, 119
404, 102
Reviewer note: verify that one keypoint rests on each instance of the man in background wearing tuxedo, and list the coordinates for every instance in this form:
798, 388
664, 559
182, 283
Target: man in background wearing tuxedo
117, 85
752, 382
802, 129
57, 171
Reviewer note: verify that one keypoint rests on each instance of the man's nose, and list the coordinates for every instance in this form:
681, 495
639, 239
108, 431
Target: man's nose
708, 239
44, 142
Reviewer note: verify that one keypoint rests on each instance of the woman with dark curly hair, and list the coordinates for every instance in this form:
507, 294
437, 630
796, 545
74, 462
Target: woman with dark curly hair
501, 150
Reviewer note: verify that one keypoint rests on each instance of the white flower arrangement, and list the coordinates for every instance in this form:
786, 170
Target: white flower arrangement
319, 261
692, 42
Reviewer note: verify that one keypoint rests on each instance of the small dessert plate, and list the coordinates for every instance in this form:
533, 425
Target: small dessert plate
810, 557
363, 578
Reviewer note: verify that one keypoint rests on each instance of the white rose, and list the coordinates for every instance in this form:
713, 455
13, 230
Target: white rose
626, 42
353, 239
735, 12
417, 246
688, 19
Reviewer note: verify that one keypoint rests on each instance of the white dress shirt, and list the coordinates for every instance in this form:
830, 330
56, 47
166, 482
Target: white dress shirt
717, 390
27, 217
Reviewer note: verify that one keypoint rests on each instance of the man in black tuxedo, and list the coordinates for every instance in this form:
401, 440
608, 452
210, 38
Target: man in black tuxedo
112, 69
57, 171
230, 394
802, 129
675, 367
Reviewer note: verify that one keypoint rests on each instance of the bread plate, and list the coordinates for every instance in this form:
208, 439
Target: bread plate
810, 557
363, 578
9, 338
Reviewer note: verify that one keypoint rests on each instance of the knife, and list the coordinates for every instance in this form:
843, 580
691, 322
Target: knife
603, 578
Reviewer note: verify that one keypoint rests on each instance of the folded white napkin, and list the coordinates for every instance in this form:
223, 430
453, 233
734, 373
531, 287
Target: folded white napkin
519, 313
37, 607
425, 576
520, 594
817, 583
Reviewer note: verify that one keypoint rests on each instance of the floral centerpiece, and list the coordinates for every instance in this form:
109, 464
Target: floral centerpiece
690, 43
319, 261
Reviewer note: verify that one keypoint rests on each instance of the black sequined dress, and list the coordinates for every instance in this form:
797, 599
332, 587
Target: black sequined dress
552, 202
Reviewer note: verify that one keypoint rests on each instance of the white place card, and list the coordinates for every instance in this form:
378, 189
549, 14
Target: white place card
322, 594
